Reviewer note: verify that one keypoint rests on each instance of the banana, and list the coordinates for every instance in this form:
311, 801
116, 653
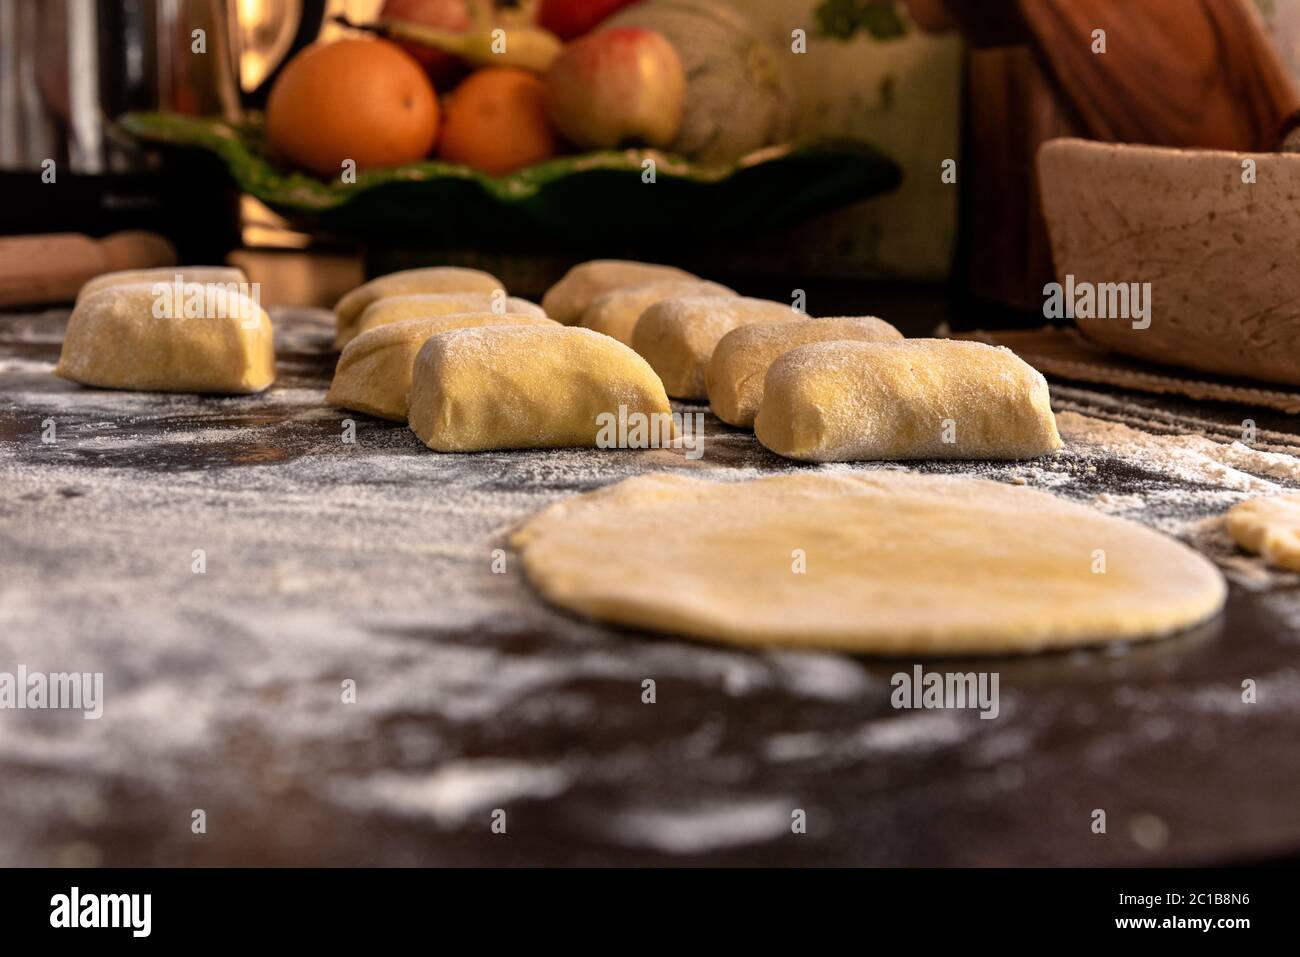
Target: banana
529, 48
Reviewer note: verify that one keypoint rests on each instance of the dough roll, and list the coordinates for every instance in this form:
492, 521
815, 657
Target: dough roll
736, 372
374, 371
424, 305
677, 336
527, 388
569, 298
915, 399
125, 277
137, 336
347, 314
616, 313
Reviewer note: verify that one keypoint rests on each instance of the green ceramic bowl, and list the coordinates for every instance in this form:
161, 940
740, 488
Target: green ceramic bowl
568, 202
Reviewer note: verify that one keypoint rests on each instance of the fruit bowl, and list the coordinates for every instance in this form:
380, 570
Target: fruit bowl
569, 202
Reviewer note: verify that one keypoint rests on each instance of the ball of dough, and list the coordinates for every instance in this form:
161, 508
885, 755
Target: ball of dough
886, 562
204, 274
139, 336
531, 387
1269, 527
735, 374
374, 372
347, 313
420, 305
567, 300
616, 313
915, 399
678, 336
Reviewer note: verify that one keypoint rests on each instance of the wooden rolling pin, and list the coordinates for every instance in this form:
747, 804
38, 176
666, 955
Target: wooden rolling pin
44, 269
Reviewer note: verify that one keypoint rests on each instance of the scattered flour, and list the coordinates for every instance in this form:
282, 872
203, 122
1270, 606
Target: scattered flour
457, 790
705, 827
1190, 458
374, 561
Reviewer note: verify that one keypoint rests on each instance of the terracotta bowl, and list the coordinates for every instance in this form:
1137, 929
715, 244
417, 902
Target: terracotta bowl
1222, 255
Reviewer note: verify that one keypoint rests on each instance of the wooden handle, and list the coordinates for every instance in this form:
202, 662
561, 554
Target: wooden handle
38, 270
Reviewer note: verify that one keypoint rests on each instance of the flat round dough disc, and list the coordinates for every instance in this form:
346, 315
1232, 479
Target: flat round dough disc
894, 563
1269, 527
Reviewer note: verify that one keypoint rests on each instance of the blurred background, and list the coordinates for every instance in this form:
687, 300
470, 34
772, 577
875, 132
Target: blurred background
811, 150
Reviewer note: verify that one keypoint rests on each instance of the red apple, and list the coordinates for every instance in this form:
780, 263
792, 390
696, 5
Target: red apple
572, 18
443, 68
614, 86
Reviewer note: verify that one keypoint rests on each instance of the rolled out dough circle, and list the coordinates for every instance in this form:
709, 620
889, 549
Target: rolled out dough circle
895, 563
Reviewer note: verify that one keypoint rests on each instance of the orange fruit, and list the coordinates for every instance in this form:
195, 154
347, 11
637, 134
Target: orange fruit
363, 100
496, 121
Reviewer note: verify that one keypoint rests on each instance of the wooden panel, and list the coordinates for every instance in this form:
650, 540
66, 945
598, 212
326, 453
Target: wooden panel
989, 23
1011, 109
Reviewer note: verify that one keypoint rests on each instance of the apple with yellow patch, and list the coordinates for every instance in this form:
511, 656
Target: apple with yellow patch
617, 86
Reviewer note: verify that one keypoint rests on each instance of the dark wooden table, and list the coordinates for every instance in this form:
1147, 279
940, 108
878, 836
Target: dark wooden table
371, 563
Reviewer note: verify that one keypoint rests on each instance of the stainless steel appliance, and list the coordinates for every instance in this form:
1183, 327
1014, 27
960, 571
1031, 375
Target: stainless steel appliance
68, 68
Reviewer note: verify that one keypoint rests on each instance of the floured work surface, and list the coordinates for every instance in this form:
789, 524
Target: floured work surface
372, 562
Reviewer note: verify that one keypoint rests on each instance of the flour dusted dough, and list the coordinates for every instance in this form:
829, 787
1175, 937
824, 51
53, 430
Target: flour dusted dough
678, 336
347, 314
115, 340
861, 401
896, 563
616, 313
165, 274
374, 372
1269, 527
526, 387
735, 374
569, 298
423, 305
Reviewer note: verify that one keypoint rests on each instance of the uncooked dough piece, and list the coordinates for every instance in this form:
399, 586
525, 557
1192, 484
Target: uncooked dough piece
1269, 527
616, 313
130, 337
531, 387
423, 305
735, 374
347, 314
567, 300
167, 274
886, 562
678, 336
915, 399
374, 372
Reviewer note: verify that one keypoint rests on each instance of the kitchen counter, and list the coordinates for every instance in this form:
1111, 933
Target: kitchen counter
328, 566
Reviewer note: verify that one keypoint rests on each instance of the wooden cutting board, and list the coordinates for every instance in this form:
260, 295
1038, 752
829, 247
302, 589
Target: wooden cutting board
1174, 72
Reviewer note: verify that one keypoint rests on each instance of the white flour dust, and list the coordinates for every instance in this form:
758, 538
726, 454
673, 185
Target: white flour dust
325, 561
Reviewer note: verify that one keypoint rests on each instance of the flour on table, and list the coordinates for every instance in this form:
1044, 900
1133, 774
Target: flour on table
1192, 458
372, 561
